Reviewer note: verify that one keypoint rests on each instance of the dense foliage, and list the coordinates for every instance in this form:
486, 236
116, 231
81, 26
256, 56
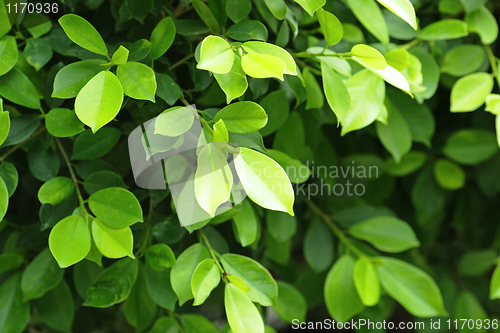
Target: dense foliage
375, 120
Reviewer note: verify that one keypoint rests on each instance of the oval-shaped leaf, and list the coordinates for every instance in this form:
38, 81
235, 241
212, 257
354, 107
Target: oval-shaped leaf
272, 50
111, 242
386, 233
341, 297
444, 29
366, 281
471, 146
80, 31
243, 117
449, 175
369, 56
482, 22
470, 92
174, 122
331, 26
291, 304
263, 288
403, 9
336, 92
8, 54
116, 207
216, 55
69, 241
370, 16
73, 77
263, 66
99, 101
271, 189
242, 314
205, 278
138, 80
56, 190
160, 256
63, 123
463, 59
162, 37
15, 312
89, 146
17, 88
411, 287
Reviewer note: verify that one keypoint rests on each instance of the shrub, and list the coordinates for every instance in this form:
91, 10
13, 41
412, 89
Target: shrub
324, 159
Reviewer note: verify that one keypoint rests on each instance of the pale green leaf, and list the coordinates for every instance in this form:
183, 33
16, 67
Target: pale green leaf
272, 189
174, 122
366, 281
311, 6
482, 22
263, 66
8, 53
138, 80
368, 56
243, 117
272, 50
56, 190
336, 92
398, 59
370, 16
463, 59
120, 56
331, 26
116, 207
111, 242
242, 314
205, 278
99, 101
470, 92
444, 29
277, 7
69, 241
403, 9
492, 104
216, 55
234, 83
449, 175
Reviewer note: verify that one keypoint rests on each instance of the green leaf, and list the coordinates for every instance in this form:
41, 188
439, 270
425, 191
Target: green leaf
83, 33
174, 122
411, 287
120, 56
4, 125
291, 304
272, 189
56, 190
194, 323
139, 309
370, 16
495, 284
205, 278
206, 15
366, 91
168, 90
89, 146
398, 59
290, 138
181, 274
463, 59
73, 77
8, 173
471, 5
99, 101
444, 29
43, 161
159, 287
471, 146
336, 92
295, 170
139, 8
408, 164
37, 52
8, 54
216, 55
242, 314
263, 288
221, 134
165, 324
366, 281
63, 123
272, 50
277, 108
492, 104
162, 37
467, 306
281, 226
102, 179
213, 179
277, 7
10, 261
449, 175
56, 308
402, 8
233, 83
311, 6
17, 88
69, 241
263, 66
41, 275
237, 10
113, 285
116, 207
331, 26
386, 233
341, 297
395, 135
318, 246
247, 224
369, 56
314, 95
84, 274
248, 30
5, 26
477, 262
482, 22
470, 92
111, 242
242, 117
160, 256
15, 313
138, 81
